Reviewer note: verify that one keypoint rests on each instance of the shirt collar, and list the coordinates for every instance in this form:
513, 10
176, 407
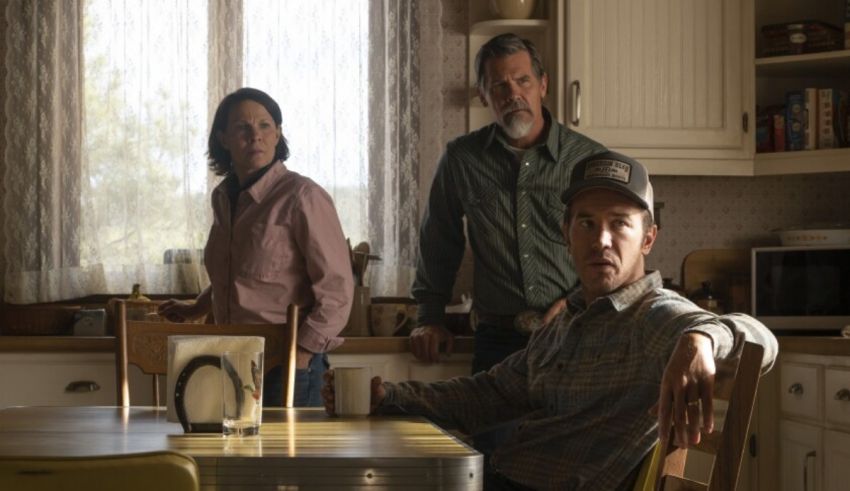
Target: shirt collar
258, 184
625, 296
551, 143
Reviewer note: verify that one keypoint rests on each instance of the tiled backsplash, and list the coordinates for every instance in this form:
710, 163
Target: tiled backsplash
740, 212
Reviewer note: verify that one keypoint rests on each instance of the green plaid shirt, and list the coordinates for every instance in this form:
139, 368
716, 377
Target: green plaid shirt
584, 386
513, 214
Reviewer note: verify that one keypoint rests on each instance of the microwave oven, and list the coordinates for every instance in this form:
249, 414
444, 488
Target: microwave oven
805, 288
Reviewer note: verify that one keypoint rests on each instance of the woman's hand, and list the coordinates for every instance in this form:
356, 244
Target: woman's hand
378, 393
180, 310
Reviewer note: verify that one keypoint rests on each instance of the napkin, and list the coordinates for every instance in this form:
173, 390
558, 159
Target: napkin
203, 392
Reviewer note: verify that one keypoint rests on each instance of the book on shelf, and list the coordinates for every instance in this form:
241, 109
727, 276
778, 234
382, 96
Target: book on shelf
846, 24
795, 120
810, 125
832, 118
779, 131
770, 129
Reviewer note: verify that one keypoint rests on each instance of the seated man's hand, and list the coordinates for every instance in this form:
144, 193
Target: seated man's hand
425, 342
180, 310
556, 308
378, 393
687, 384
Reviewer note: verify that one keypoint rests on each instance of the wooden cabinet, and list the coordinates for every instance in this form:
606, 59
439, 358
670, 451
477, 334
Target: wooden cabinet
814, 427
672, 83
667, 82
800, 456
777, 75
65, 379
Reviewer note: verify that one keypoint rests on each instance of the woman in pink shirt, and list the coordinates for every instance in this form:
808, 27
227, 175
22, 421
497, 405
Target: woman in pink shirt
275, 240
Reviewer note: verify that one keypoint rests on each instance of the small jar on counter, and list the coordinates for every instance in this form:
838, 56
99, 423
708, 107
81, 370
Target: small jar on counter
705, 298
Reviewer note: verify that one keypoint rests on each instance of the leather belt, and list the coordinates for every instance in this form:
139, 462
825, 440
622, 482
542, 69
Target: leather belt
524, 323
501, 321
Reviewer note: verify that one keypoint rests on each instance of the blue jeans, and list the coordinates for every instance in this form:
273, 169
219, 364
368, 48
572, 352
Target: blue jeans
492, 345
308, 384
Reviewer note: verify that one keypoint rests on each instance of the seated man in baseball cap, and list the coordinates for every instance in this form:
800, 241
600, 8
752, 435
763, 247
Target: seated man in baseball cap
586, 383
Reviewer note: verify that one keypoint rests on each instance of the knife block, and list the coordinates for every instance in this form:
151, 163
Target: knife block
358, 320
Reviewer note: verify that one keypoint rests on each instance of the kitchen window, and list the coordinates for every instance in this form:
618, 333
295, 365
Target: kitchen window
113, 132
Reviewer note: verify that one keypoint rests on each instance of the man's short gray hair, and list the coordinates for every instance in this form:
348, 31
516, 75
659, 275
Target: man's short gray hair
505, 45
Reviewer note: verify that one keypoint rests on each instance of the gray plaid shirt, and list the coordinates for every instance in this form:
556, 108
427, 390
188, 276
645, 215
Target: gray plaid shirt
584, 385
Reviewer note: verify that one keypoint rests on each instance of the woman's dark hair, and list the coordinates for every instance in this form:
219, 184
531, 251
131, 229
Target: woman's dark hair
220, 161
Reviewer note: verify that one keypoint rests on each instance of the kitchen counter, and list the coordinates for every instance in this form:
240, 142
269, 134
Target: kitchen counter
815, 345
58, 344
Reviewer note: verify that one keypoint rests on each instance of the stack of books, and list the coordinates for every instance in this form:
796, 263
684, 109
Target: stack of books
810, 119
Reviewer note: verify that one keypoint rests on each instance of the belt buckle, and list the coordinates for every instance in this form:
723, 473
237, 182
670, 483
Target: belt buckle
528, 321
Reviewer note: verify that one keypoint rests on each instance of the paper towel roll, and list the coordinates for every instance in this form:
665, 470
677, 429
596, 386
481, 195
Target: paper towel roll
203, 394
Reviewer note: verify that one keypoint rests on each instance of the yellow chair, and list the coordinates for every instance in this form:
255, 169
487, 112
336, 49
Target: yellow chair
133, 472
145, 344
735, 386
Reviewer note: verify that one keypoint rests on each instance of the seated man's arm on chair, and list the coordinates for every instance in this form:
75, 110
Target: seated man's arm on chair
688, 379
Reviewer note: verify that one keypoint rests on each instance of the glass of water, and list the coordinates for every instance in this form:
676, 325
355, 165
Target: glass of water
242, 392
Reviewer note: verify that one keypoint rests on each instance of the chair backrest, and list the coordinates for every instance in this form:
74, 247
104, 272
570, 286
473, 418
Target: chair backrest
133, 472
735, 387
145, 344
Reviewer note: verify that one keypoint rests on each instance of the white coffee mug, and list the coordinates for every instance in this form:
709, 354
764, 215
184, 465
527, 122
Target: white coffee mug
352, 391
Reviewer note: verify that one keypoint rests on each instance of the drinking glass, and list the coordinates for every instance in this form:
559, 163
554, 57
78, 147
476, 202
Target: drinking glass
242, 392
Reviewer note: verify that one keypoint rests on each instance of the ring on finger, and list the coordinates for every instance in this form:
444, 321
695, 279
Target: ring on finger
693, 403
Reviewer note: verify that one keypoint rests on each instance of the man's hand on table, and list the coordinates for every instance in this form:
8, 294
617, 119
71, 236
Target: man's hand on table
687, 384
378, 393
425, 342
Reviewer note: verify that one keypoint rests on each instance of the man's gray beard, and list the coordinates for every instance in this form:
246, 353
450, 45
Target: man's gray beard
518, 127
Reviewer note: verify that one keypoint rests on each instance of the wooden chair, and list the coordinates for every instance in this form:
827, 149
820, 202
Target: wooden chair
133, 472
736, 384
145, 344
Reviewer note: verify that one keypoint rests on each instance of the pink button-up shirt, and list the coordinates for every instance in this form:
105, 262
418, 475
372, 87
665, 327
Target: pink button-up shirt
283, 244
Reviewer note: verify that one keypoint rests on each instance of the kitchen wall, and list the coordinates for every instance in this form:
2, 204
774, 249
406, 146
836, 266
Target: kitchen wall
699, 212
740, 212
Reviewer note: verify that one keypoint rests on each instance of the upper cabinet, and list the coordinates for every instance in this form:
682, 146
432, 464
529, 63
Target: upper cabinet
674, 83
777, 75
666, 81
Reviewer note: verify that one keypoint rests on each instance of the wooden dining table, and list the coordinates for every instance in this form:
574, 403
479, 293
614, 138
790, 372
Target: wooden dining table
299, 448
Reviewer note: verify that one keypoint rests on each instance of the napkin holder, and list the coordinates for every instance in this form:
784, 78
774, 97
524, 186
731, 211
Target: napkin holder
196, 361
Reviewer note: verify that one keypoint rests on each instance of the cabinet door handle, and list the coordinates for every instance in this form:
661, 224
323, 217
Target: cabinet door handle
808, 456
796, 388
575, 86
842, 395
82, 386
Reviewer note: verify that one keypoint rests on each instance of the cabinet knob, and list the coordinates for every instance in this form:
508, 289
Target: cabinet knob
796, 388
82, 386
842, 395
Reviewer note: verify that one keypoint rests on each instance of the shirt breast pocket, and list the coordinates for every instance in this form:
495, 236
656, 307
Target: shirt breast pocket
267, 251
554, 215
481, 208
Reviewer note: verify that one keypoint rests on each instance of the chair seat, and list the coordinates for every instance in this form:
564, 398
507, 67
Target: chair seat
134, 472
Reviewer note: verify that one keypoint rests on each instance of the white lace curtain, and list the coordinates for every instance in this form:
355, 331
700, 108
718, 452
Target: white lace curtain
107, 114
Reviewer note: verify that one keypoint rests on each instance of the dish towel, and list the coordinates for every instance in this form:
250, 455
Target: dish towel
202, 399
